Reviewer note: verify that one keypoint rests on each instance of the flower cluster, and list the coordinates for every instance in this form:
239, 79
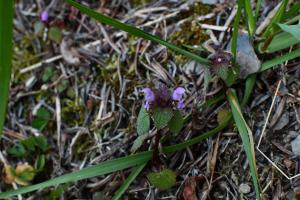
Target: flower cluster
162, 97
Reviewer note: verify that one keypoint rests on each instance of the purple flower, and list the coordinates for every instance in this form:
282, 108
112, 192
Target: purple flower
149, 97
44, 16
177, 96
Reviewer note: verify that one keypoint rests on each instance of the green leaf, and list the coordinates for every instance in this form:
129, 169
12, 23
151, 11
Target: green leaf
176, 123
47, 74
294, 30
41, 120
161, 117
138, 142
40, 163
236, 29
280, 59
162, 180
6, 28
143, 122
62, 86
250, 18
247, 138
41, 143
279, 42
29, 143
272, 28
17, 151
55, 34
134, 31
135, 172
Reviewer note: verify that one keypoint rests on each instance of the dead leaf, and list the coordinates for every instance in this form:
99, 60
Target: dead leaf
69, 54
189, 191
8, 174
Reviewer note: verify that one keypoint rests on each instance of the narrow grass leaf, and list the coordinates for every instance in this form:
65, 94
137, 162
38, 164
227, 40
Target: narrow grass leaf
135, 172
278, 60
271, 28
88, 172
134, 31
250, 82
115, 164
247, 138
250, 18
236, 29
292, 11
6, 18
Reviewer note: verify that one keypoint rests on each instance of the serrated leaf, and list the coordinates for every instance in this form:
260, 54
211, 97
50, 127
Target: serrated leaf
222, 72
161, 117
162, 180
138, 142
143, 121
176, 123
294, 30
55, 34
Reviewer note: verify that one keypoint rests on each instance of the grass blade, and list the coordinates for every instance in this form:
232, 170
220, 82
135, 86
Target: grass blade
250, 18
278, 60
135, 172
293, 10
236, 29
246, 135
134, 31
6, 17
115, 165
250, 82
88, 172
276, 19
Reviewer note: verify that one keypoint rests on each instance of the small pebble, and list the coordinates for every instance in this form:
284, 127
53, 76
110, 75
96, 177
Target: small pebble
244, 188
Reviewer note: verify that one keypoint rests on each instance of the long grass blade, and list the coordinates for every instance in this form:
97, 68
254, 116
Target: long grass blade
135, 172
6, 16
250, 18
247, 138
278, 60
88, 172
276, 19
293, 10
134, 31
236, 29
116, 164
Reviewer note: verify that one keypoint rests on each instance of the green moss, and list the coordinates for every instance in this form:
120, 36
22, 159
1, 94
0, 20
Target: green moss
136, 3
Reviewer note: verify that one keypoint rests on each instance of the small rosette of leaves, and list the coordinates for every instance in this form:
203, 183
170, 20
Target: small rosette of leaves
220, 64
163, 107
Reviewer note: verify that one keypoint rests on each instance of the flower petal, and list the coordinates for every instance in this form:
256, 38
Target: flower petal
178, 93
149, 94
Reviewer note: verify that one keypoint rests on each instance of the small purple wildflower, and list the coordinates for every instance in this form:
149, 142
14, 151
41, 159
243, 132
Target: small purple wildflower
177, 96
44, 16
149, 97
